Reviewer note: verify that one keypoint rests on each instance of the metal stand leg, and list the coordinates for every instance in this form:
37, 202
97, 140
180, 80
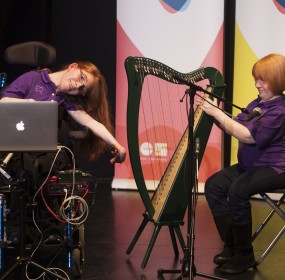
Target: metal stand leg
188, 268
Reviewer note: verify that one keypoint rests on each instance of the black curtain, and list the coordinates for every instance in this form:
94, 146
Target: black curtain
79, 30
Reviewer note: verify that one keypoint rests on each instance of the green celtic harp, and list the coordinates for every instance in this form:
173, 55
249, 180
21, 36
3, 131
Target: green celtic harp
168, 204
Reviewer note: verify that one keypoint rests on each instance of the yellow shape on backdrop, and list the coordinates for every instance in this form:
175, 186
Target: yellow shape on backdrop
244, 89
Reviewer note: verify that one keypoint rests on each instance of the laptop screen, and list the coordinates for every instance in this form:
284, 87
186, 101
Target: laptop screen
28, 126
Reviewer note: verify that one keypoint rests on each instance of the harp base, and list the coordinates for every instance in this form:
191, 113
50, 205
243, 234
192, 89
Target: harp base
174, 228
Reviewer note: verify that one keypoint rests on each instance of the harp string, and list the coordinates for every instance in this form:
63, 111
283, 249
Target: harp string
145, 146
160, 118
161, 193
163, 120
150, 129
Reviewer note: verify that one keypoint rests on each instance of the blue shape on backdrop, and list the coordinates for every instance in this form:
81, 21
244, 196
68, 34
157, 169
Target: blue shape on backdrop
177, 5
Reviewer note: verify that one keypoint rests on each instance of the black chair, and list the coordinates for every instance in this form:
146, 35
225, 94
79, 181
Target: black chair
276, 209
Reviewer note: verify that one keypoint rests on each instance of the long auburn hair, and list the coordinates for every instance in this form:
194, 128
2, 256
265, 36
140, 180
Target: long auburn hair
94, 103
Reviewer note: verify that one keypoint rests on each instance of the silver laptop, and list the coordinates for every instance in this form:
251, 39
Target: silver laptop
28, 126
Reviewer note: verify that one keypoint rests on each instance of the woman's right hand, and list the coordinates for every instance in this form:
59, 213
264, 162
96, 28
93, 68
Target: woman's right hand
209, 106
119, 155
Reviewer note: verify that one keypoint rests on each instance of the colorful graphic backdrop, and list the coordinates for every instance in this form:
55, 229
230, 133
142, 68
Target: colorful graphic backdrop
183, 34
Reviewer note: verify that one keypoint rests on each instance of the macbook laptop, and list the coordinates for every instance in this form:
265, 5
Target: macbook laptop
28, 126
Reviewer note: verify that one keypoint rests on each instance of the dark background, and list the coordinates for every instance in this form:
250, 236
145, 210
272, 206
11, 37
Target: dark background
86, 30
79, 30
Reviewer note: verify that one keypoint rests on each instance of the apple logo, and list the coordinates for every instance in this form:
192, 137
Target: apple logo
20, 126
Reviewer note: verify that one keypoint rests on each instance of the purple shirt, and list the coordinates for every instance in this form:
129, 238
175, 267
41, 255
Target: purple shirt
36, 85
268, 131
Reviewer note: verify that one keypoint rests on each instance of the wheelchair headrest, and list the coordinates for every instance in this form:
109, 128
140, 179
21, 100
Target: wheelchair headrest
33, 53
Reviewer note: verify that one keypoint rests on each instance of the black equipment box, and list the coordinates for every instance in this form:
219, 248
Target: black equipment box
69, 182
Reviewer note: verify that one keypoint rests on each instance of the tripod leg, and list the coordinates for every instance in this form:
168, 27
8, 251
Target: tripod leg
137, 235
179, 235
173, 239
150, 246
7, 273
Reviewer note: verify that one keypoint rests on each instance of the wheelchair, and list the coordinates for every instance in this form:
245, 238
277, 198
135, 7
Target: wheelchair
54, 215
53, 203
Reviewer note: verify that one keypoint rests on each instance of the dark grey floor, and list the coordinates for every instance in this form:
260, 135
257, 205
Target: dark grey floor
114, 219
116, 216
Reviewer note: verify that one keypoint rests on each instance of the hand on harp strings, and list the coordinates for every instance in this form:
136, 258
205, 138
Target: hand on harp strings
199, 88
213, 102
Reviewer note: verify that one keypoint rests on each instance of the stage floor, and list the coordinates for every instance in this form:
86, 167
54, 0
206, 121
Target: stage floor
115, 217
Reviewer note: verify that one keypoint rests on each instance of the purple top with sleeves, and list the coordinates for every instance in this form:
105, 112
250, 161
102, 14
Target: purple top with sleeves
268, 131
36, 85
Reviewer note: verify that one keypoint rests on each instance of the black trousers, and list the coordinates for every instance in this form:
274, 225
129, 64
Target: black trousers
229, 190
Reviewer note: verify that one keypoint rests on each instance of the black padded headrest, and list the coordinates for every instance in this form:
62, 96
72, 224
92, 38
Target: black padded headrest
33, 53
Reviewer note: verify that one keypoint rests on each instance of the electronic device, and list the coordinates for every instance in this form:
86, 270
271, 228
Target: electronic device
28, 126
69, 182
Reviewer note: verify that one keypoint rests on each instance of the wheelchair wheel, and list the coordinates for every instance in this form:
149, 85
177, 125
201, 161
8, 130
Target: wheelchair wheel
78, 261
78, 251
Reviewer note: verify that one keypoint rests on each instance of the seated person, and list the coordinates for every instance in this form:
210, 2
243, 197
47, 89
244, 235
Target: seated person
81, 89
260, 167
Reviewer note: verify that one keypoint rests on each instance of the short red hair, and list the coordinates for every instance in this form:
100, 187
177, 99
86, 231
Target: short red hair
271, 69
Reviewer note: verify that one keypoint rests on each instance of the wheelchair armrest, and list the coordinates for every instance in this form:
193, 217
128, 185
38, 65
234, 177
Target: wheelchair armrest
79, 134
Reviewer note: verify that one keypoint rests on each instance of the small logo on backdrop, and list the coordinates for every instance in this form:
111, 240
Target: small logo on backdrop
146, 148
39, 89
160, 149
173, 6
20, 126
280, 4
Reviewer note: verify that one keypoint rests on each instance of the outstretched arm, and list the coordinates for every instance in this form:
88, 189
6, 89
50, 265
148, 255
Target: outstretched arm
100, 130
